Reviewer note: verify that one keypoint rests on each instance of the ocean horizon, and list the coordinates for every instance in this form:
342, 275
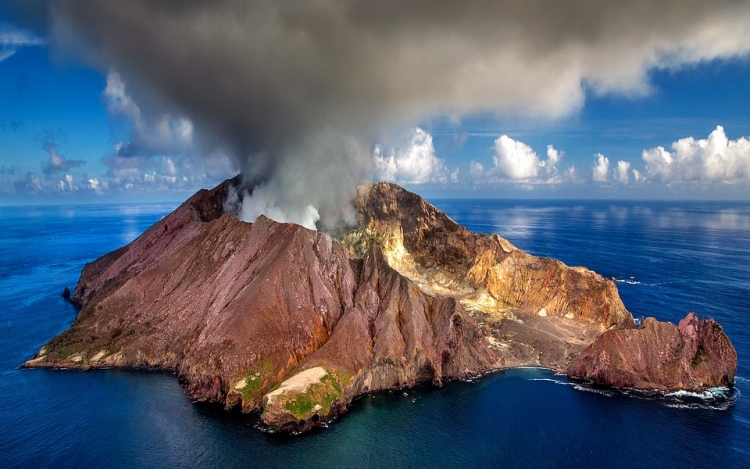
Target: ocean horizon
668, 258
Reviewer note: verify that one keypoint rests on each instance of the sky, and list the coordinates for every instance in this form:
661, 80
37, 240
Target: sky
140, 101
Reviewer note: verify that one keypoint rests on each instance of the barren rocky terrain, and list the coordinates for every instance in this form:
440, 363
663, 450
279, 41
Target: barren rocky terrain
292, 323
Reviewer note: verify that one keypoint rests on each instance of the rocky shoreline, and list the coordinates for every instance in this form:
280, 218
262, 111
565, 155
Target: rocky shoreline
294, 324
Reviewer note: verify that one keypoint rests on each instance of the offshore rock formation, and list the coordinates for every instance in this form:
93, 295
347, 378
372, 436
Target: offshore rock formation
691, 356
293, 323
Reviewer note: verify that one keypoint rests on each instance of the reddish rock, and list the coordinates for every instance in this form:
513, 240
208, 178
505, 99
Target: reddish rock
277, 318
692, 356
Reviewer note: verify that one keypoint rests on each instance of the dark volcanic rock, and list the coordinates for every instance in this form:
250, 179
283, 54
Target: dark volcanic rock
277, 318
694, 355
66, 293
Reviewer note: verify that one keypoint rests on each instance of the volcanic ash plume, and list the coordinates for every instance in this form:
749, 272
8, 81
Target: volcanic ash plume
297, 93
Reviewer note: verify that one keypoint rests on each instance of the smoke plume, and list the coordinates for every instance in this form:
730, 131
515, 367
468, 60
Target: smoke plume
297, 93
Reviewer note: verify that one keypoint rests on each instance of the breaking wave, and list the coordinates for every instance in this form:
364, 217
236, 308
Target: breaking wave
600, 391
712, 399
551, 380
720, 398
629, 280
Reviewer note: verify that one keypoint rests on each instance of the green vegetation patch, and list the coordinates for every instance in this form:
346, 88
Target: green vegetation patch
72, 342
254, 381
323, 394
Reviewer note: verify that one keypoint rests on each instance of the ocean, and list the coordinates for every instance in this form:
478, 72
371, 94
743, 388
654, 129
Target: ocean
669, 258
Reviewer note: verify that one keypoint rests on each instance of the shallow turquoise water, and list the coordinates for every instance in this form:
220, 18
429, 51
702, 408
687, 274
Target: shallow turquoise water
671, 258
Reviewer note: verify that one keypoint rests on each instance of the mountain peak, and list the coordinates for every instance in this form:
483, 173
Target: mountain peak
275, 318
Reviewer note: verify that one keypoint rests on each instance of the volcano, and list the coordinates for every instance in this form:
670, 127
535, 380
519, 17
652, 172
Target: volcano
294, 324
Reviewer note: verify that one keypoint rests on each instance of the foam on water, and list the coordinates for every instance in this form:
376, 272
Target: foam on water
602, 392
714, 398
629, 280
708, 394
551, 380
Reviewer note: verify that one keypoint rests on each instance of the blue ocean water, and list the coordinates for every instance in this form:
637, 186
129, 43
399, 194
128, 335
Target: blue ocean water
670, 258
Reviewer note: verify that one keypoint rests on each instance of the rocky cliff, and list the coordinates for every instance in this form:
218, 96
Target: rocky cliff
692, 356
294, 324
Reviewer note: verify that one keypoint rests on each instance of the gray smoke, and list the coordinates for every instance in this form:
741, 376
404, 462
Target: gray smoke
298, 92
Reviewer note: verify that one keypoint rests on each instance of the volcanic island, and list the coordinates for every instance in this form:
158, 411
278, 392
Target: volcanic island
294, 324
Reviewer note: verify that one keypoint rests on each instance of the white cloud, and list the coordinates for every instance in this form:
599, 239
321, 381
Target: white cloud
184, 173
169, 166
637, 176
118, 100
30, 183
476, 169
554, 156
715, 159
600, 169
94, 185
12, 39
514, 159
414, 163
161, 134
621, 172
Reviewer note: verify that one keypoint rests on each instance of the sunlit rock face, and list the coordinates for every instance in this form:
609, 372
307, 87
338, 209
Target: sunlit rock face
294, 324
486, 272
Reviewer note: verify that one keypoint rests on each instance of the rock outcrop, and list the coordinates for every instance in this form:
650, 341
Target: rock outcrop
278, 319
692, 356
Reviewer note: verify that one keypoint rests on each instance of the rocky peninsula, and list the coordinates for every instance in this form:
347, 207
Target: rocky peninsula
294, 324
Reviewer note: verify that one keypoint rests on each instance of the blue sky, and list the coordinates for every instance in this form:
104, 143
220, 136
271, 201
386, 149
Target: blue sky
64, 123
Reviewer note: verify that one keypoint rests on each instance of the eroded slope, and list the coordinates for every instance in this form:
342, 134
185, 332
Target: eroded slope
279, 319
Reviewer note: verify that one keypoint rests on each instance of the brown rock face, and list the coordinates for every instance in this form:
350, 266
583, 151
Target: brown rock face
434, 251
694, 355
277, 318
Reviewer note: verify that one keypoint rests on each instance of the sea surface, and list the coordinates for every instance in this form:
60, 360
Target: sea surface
669, 259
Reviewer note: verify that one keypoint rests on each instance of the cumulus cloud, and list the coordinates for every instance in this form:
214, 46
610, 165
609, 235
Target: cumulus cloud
159, 154
476, 170
152, 174
265, 82
413, 163
514, 160
66, 184
94, 185
30, 183
600, 171
637, 176
715, 159
621, 172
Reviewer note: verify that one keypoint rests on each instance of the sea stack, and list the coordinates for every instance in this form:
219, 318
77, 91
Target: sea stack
693, 356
